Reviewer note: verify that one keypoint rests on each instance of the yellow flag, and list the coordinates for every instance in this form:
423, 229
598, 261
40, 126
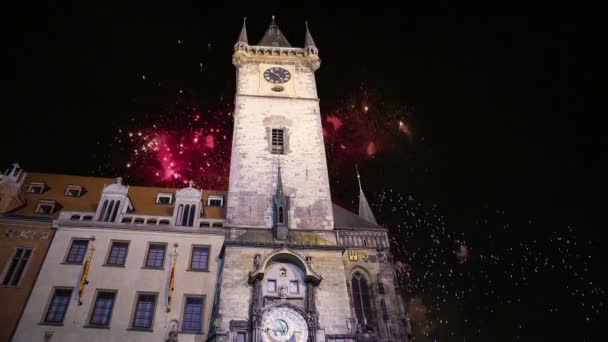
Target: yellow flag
85, 273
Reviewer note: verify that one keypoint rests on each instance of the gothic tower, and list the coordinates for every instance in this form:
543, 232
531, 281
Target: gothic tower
277, 120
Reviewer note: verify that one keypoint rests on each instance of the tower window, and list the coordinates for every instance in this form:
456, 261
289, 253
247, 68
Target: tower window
361, 299
278, 141
281, 218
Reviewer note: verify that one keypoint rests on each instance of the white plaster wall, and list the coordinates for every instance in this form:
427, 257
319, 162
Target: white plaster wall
127, 280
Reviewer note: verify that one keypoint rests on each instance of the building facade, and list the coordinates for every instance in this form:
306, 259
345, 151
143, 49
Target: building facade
273, 259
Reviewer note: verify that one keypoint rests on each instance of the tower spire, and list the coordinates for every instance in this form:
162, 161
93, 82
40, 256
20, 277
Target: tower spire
365, 211
308, 41
273, 36
243, 35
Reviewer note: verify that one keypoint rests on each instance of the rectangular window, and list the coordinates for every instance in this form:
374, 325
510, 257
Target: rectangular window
118, 253
200, 258
164, 198
16, 267
144, 311
215, 201
45, 207
294, 286
241, 337
58, 306
193, 315
77, 251
278, 141
36, 188
73, 190
102, 311
156, 255
272, 286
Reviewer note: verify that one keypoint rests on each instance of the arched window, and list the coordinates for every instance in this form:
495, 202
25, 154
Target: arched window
103, 210
109, 211
116, 206
361, 299
180, 212
185, 216
191, 216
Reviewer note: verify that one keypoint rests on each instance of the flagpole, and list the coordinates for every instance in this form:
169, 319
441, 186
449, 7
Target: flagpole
85, 271
172, 278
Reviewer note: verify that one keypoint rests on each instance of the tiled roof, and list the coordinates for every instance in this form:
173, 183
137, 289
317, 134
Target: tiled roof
347, 220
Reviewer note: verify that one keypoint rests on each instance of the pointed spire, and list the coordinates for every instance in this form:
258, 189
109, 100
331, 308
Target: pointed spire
308, 41
365, 211
243, 35
274, 36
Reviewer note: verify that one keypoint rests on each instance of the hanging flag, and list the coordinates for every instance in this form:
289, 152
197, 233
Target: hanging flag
85, 272
172, 279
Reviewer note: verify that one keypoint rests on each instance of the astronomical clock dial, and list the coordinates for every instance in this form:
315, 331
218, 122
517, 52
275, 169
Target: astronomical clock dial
277, 75
284, 325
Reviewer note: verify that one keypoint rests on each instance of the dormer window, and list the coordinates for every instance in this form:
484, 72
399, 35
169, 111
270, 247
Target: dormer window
215, 201
46, 207
36, 188
73, 190
164, 198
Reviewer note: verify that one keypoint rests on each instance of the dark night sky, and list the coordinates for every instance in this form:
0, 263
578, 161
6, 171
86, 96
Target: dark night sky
500, 95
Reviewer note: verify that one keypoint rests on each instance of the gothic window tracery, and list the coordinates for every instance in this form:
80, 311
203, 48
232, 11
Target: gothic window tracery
361, 299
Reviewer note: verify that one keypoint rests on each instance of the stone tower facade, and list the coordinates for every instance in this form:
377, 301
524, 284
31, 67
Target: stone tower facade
277, 120
295, 267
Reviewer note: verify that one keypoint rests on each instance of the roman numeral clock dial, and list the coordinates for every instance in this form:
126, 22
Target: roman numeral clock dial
277, 75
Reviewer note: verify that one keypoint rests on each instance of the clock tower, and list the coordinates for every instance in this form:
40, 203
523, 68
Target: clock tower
278, 170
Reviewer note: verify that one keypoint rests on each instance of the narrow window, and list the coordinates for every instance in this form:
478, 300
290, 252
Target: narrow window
102, 311
361, 299
272, 286
109, 211
185, 216
77, 251
156, 255
278, 141
200, 259
17, 266
144, 311
281, 215
118, 253
103, 210
193, 315
116, 207
191, 217
180, 213
384, 310
58, 306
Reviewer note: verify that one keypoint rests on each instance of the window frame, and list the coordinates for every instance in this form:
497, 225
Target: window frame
45, 313
215, 197
134, 313
275, 285
33, 185
67, 254
109, 253
208, 247
73, 187
162, 266
183, 315
279, 148
44, 203
10, 260
297, 287
164, 194
94, 305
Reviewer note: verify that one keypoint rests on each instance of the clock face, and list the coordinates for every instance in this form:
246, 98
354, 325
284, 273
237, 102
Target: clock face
277, 75
284, 325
